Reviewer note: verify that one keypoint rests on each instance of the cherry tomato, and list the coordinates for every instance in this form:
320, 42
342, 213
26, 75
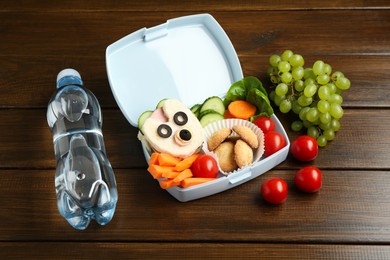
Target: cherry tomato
304, 148
205, 166
273, 142
265, 123
308, 179
274, 190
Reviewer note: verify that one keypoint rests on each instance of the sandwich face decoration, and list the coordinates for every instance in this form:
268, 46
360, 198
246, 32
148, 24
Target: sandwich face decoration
173, 128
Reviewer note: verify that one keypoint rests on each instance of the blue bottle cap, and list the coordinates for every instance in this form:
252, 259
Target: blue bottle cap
68, 72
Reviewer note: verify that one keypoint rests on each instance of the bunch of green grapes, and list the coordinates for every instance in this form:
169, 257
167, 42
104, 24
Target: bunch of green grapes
314, 94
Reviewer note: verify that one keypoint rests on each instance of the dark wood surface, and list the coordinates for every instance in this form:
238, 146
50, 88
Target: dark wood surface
348, 219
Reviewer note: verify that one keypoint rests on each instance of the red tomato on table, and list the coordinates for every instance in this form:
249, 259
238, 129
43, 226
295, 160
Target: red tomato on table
308, 179
274, 190
205, 166
304, 148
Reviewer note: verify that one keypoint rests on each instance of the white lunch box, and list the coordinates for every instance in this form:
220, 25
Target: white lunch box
189, 58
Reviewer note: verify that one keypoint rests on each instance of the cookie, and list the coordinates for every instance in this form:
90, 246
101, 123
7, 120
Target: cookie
243, 153
232, 139
217, 138
247, 135
225, 155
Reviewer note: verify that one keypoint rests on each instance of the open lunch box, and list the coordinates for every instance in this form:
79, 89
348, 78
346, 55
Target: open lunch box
188, 58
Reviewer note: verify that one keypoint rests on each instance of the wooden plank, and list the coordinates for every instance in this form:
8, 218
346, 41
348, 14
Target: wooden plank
38, 84
34, 34
362, 142
192, 5
352, 207
191, 251
26, 140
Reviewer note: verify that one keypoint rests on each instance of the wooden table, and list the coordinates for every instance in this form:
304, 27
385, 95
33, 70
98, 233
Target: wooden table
348, 219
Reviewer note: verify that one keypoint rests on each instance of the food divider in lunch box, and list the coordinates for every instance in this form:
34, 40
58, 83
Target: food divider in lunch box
189, 58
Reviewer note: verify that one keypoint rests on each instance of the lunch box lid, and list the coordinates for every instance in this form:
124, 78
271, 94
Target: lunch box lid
188, 58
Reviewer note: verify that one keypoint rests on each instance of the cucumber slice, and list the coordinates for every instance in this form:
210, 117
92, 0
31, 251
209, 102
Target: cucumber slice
196, 109
161, 102
205, 112
213, 103
141, 119
210, 118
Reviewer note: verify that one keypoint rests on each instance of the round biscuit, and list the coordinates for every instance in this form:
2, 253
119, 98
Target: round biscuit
247, 135
243, 153
217, 138
225, 155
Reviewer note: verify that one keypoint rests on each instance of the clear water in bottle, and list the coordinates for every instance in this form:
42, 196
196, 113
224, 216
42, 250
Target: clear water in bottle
84, 182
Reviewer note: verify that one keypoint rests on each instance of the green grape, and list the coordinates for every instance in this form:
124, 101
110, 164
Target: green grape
281, 89
279, 99
286, 77
307, 124
313, 114
338, 91
319, 67
272, 95
336, 75
321, 141
335, 125
323, 106
308, 73
296, 108
327, 69
286, 55
296, 125
325, 126
329, 134
343, 83
304, 101
274, 79
336, 111
303, 112
310, 90
272, 71
297, 73
335, 98
299, 85
296, 60
284, 66
332, 88
323, 79
274, 60
309, 81
285, 106
325, 118
313, 132
323, 92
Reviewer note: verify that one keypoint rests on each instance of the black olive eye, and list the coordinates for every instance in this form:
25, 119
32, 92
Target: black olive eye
164, 131
185, 135
180, 118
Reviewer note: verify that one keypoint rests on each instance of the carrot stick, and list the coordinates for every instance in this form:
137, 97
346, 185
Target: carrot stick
154, 158
156, 170
242, 109
188, 182
166, 159
186, 163
169, 183
187, 173
170, 174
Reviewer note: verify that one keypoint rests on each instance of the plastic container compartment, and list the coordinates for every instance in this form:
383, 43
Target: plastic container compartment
188, 58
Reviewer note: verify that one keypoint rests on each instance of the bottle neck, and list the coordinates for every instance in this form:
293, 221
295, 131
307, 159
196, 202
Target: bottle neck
69, 80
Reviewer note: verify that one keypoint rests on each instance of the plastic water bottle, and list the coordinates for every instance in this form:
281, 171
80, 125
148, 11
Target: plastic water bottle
84, 182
